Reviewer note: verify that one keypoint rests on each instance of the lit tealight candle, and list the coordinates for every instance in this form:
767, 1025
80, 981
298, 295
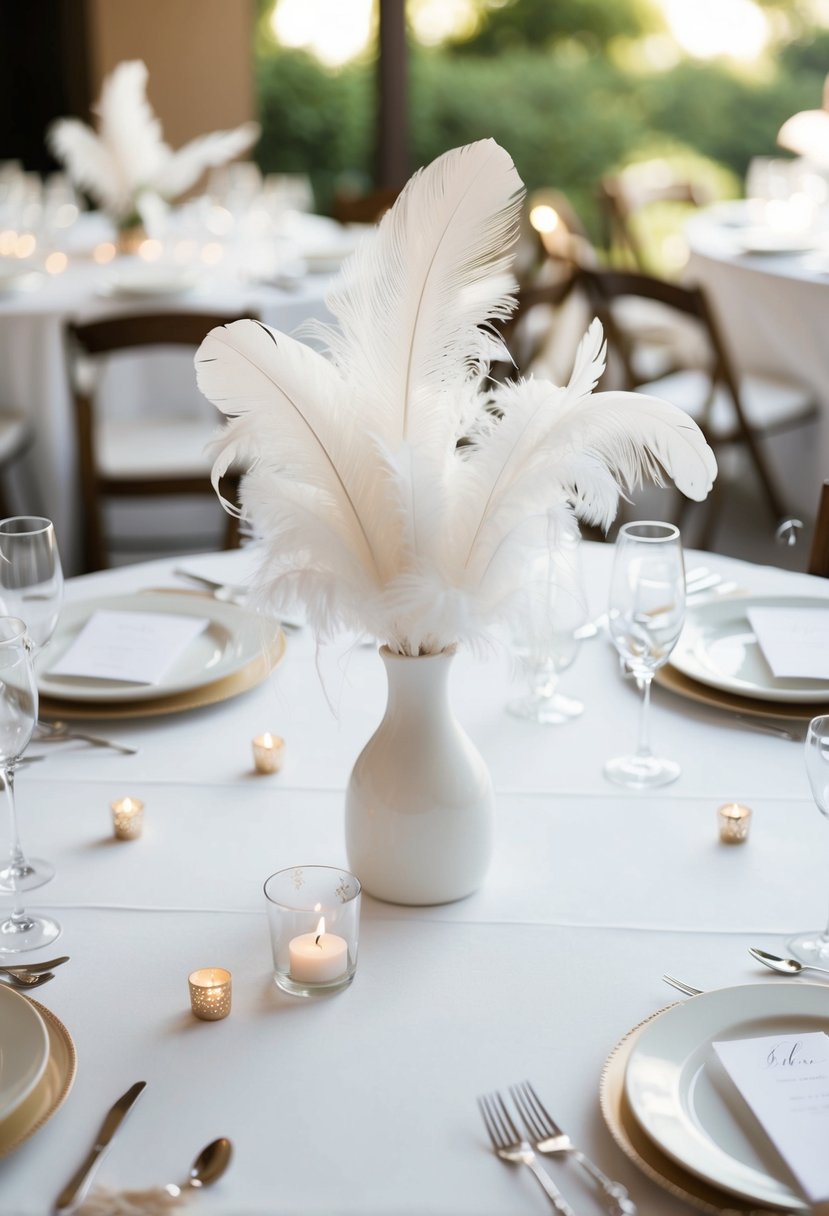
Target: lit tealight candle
318, 958
734, 820
127, 818
268, 751
210, 993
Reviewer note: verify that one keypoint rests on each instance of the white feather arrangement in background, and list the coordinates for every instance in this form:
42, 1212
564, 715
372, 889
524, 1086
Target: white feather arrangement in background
371, 513
126, 159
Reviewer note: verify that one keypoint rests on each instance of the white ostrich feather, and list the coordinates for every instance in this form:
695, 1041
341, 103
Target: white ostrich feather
126, 159
370, 510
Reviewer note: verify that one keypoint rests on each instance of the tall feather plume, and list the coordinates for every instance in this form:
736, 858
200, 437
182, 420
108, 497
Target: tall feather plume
126, 158
370, 510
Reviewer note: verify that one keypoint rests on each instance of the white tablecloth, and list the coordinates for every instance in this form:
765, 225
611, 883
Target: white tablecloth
362, 1104
34, 376
773, 310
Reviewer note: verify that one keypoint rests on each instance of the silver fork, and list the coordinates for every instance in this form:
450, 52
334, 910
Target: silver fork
548, 1137
510, 1146
682, 987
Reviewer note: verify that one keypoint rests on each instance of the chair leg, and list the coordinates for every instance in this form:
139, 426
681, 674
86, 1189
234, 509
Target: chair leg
233, 535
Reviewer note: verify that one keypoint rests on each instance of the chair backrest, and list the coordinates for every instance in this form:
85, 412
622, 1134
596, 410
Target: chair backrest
527, 330
363, 208
625, 196
819, 552
147, 329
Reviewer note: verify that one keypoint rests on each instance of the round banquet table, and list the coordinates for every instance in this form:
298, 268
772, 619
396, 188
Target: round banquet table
34, 377
773, 310
363, 1103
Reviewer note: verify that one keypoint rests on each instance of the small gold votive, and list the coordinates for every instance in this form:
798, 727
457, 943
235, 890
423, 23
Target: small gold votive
210, 993
268, 752
127, 818
734, 820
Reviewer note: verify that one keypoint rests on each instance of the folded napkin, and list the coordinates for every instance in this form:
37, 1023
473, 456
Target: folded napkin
153, 1202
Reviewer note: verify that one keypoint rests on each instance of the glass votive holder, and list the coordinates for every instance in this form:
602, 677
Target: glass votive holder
268, 753
734, 821
127, 818
210, 993
314, 920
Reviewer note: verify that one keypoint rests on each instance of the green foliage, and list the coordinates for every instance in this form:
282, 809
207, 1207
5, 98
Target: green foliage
525, 24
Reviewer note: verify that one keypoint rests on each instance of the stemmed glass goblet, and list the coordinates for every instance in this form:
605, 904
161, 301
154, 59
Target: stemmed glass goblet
546, 641
646, 612
31, 588
813, 947
18, 715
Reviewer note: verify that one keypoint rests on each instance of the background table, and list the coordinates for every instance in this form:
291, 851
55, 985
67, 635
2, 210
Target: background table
773, 310
363, 1103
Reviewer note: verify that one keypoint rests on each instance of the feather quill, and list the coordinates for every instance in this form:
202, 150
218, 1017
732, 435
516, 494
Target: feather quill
370, 510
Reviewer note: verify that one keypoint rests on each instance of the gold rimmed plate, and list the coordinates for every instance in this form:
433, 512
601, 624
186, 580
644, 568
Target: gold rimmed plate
51, 1090
675, 681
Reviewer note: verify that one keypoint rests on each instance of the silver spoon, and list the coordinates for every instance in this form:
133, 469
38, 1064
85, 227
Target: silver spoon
25, 980
786, 966
34, 968
208, 1167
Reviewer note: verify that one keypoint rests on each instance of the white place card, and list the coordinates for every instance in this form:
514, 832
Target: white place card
785, 1081
131, 647
795, 641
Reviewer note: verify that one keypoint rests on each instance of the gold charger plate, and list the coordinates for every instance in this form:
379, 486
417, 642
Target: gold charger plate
51, 1090
676, 681
644, 1154
240, 681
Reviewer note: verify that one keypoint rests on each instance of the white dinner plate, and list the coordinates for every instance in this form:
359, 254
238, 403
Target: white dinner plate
232, 639
682, 1098
768, 240
24, 1049
718, 647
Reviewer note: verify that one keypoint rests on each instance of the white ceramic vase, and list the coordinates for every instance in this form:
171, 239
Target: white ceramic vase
420, 803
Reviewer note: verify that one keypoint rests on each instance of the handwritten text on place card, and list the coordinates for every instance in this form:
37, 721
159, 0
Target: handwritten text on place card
133, 647
795, 641
785, 1081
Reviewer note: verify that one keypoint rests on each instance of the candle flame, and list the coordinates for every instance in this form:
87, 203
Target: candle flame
320, 931
267, 739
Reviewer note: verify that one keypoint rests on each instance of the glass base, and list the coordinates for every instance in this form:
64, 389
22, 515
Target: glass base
550, 711
30, 933
34, 872
304, 988
641, 772
810, 947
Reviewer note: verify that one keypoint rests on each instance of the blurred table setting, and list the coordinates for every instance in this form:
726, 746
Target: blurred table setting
594, 893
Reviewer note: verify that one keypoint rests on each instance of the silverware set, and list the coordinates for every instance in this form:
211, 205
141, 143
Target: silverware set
699, 583
28, 976
542, 1134
775, 962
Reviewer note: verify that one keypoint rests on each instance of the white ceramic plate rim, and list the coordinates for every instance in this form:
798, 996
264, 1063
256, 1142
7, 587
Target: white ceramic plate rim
688, 656
246, 635
659, 1100
24, 1049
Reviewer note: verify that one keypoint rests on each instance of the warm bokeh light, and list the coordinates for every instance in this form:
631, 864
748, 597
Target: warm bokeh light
708, 28
433, 21
150, 251
8, 240
25, 245
212, 253
104, 252
544, 218
56, 262
333, 30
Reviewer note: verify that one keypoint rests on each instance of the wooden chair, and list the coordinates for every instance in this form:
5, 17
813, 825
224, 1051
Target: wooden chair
819, 552
626, 198
528, 330
347, 208
141, 457
730, 410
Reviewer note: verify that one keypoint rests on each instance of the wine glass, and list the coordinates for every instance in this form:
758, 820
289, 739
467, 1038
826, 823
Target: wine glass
546, 641
813, 947
645, 615
31, 588
18, 715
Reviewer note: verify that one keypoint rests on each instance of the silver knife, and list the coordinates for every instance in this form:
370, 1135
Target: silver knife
77, 1184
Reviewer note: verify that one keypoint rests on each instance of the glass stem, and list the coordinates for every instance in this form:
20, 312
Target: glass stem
18, 918
644, 748
544, 681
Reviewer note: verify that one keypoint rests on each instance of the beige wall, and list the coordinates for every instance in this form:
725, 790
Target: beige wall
199, 54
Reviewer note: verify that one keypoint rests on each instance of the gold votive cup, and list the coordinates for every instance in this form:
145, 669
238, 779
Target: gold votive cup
268, 753
127, 818
734, 820
210, 993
